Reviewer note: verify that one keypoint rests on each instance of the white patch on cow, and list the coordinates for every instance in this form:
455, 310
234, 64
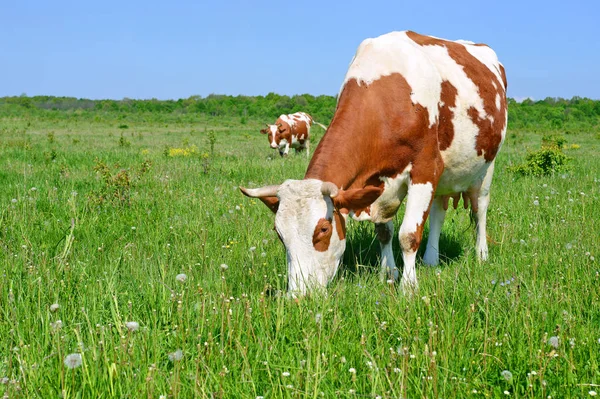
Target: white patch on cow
288, 119
392, 53
462, 164
273, 129
417, 203
498, 101
301, 205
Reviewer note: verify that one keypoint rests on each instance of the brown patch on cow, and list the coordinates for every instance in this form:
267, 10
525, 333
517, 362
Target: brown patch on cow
402, 135
503, 75
340, 225
322, 235
411, 240
490, 131
446, 127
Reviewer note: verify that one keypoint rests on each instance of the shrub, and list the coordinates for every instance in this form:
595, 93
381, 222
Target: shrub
546, 161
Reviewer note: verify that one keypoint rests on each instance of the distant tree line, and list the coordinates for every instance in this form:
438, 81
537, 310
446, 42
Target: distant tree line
549, 114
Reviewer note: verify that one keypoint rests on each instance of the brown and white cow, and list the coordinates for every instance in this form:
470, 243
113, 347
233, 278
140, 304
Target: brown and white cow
417, 117
290, 130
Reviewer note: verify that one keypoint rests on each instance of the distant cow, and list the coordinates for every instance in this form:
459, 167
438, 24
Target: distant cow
417, 117
290, 130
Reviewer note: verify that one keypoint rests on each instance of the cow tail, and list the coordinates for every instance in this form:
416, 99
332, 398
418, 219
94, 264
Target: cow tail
320, 124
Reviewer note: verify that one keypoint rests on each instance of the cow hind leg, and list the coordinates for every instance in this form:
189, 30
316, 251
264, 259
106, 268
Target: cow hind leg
385, 232
418, 202
436, 221
480, 211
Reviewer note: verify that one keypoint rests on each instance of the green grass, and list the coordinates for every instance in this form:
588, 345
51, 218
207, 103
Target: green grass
102, 226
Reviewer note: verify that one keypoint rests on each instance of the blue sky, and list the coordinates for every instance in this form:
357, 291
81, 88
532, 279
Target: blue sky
175, 49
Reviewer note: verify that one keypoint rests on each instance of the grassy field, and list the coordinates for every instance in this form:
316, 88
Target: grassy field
165, 278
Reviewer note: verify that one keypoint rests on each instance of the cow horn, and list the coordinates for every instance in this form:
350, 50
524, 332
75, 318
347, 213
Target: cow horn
330, 189
267, 125
266, 191
279, 125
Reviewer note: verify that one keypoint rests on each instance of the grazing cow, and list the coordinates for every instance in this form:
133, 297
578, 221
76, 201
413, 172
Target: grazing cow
290, 130
417, 117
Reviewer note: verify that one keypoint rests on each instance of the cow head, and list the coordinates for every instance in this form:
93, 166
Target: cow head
275, 134
311, 227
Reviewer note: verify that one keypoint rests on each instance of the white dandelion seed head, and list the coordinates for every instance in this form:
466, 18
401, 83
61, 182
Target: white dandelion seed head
57, 325
4, 380
73, 360
352, 370
252, 249
132, 325
176, 356
224, 266
507, 375
54, 307
285, 374
536, 202
318, 318
181, 277
14, 200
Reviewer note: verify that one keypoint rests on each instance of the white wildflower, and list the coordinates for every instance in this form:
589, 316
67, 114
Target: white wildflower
224, 266
73, 360
285, 374
352, 370
132, 325
593, 393
507, 375
318, 318
181, 277
252, 249
54, 307
176, 356
553, 341
536, 202
57, 325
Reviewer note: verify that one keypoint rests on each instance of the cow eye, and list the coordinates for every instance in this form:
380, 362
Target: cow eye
324, 229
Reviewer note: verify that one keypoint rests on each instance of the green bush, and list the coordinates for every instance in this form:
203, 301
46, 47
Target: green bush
548, 160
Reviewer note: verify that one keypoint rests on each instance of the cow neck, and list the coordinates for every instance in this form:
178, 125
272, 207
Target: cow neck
352, 154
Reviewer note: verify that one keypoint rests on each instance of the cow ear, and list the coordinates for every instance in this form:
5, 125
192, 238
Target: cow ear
356, 199
271, 202
263, 131
265, 194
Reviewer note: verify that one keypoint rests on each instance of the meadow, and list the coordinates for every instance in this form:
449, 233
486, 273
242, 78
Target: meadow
131, 266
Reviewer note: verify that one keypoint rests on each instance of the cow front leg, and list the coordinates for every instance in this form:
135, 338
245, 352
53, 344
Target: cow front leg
385, 232
418, 202
287, 149
436, 221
